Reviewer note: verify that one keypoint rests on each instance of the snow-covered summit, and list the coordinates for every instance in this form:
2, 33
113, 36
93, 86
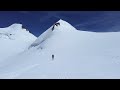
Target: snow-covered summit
13, 27
64, 26
16, 26
14, 39
15, 31
58, 27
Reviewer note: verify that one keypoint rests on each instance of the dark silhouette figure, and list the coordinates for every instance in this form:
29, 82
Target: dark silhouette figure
52, 57
56, 24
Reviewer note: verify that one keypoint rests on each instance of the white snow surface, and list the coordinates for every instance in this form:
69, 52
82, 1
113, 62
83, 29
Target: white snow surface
13, 40
78, 54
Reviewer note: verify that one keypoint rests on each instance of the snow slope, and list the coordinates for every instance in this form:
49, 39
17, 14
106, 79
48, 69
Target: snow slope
13, 40
78, 54
66, 26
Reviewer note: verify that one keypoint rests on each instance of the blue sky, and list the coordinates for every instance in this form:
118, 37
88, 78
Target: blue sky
38, 21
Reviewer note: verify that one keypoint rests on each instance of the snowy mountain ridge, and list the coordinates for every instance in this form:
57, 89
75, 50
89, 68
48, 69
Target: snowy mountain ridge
77, 54
14, 31
14, 39
63, 27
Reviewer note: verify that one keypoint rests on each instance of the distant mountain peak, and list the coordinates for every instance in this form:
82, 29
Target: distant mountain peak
63, 25
16, 25
16, 31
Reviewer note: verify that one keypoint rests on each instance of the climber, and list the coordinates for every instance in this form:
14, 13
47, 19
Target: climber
57, 24
54, 25
52, 57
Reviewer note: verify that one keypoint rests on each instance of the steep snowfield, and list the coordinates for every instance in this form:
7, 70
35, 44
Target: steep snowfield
13, 40
66, 26
78, 54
